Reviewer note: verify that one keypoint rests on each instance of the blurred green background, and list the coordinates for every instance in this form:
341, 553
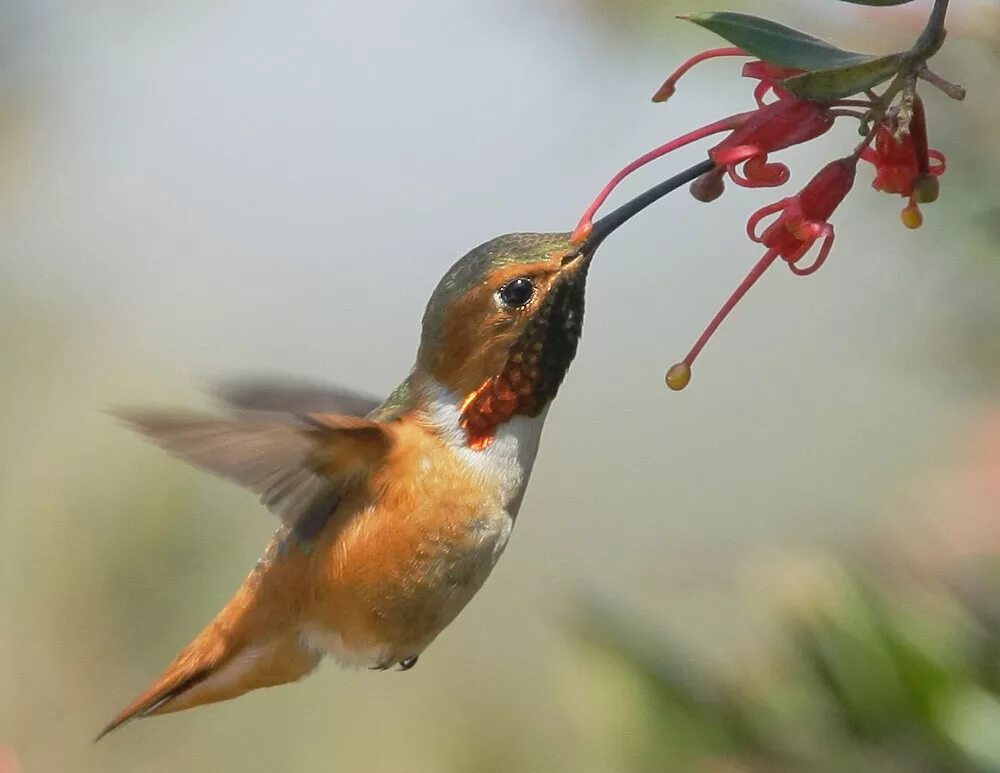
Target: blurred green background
790, 566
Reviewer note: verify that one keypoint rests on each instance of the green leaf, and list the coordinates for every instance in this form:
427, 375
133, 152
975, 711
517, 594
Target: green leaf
839, 82
776, 43
877, 2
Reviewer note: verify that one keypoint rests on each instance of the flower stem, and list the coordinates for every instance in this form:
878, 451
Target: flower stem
914, 66
933, 34
953, 90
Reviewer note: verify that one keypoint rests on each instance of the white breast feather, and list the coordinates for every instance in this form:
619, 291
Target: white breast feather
507, 460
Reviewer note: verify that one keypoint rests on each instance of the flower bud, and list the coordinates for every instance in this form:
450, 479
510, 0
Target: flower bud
926, 188
709, 186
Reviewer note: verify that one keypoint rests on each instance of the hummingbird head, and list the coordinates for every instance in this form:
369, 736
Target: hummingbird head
502, 326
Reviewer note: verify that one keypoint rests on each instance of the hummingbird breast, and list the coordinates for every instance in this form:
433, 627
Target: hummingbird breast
421, 537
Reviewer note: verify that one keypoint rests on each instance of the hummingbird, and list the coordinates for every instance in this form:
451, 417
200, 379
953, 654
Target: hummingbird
392, 514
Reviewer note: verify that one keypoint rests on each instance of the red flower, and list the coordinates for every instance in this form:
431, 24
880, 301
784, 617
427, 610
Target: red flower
776, 125
803, 218
773, 126
903, 163
780, 124
754, 134
802, 221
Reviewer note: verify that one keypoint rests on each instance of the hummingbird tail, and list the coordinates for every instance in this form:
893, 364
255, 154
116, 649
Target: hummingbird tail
218, 665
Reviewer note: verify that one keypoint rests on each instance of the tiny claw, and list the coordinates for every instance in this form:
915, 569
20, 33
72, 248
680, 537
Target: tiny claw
679, 376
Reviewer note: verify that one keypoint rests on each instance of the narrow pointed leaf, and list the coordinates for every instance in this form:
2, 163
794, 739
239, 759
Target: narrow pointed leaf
776, 43
839, 82
877, 2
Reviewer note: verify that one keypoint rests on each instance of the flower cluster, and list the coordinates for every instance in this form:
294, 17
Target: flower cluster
895, 145
903, 163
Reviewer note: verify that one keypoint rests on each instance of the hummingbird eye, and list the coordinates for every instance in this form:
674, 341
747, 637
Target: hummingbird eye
517, 292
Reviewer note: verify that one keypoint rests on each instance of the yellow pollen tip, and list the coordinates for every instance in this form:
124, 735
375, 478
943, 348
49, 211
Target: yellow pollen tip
665, 92
911, 216
679, 376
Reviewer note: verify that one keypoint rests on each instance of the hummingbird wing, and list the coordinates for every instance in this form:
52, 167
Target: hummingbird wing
298, 470
282, 395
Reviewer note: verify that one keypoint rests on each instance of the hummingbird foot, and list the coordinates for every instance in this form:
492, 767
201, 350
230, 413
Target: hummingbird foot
401, 665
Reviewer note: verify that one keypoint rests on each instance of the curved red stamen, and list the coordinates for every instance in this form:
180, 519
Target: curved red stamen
824, 251
751, 157
755, 273
760, 91
759, 215
758, 175
764, 174
722, 125
942, 163
669, 85
738, 178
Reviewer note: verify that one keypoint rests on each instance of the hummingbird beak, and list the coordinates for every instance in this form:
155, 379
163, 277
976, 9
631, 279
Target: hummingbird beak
610, 222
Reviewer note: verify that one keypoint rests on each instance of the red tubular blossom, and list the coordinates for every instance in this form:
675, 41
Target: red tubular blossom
803, 218
903, 164
743, 155
802, 221
753, 135
775, 126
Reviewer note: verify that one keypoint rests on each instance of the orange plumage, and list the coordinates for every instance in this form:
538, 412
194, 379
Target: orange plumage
369, 585
390, 523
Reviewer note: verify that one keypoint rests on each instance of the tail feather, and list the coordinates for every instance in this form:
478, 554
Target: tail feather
193, 666
156, 697
215, 667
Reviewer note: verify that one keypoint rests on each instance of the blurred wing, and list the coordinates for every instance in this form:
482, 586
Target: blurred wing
278, 395
299, 472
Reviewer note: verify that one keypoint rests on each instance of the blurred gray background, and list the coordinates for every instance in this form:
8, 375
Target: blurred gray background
192, 190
